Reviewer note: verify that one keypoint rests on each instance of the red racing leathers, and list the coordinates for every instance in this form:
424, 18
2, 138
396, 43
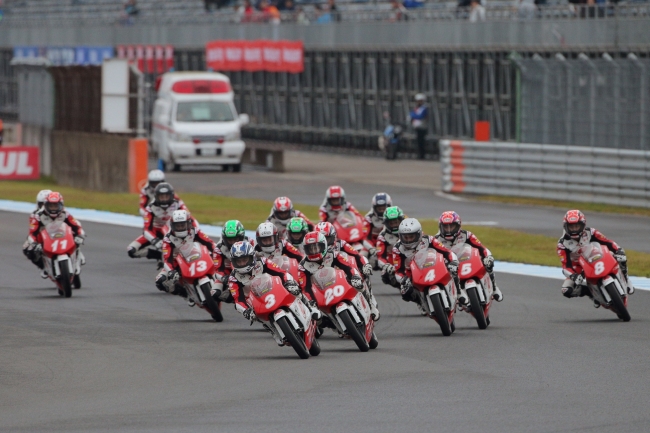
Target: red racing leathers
402, 257
384, 245
37, 221
281, 225
147, 197
156, 223
375, 224
333, 259
325, 212
283, 249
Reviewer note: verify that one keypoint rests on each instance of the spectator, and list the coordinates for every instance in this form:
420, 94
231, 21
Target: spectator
419, 117
476, 12
322, 16
245, 12
287, 5
301, 17
270, 13
526, 9
334, 12
398, 11
131, 8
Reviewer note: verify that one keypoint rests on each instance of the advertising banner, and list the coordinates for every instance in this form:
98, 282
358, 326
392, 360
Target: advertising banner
19, 163
66, 56
260, 55
151, 59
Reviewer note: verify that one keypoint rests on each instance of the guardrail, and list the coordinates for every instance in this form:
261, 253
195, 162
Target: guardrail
573, 173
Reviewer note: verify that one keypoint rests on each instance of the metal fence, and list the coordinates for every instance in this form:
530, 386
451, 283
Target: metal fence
587, 174
602, 102
8, 87
342, 96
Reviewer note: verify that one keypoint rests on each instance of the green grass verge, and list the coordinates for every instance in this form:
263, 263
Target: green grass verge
585, 207
506, 245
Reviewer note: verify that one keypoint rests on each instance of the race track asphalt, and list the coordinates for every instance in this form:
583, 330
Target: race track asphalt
413, 185
120, 356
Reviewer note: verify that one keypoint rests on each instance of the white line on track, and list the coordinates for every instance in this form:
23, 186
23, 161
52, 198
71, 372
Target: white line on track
124, 220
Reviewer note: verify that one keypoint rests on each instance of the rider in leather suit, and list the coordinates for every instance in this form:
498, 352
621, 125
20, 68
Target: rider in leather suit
576, 234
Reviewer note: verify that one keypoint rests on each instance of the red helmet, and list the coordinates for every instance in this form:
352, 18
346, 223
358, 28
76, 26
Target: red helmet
335, 196
54, 204
574, 223
449, 225
315, 246
282, 208
328, 230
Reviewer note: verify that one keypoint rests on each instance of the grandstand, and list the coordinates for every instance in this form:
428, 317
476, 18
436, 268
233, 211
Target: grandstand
18, 13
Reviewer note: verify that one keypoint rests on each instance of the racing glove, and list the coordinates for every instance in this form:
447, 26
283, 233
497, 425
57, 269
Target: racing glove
249, 314
406, 289
388, 269
173, 275
367, 270
453, 267
292, 287
620, 256
577, 279
356, 282
78, 240
157, 244
488, 262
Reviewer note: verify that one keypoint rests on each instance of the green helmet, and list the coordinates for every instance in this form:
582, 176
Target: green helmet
233, 231
297, 228
393, 216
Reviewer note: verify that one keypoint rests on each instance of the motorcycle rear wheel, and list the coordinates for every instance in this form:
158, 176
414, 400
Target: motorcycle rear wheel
441, 316
64, 279
352, 330
373, 343
210, 304
617, 303
477, 308
297, 343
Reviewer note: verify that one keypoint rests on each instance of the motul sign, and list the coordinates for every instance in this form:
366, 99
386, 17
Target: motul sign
19, 163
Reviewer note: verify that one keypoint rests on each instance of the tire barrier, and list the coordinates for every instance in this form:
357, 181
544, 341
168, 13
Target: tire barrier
572, 173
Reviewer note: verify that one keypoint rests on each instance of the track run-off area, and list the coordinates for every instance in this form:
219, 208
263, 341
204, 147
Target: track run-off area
122, 356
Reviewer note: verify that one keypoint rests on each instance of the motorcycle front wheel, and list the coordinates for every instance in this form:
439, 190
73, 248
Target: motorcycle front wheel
64, 279
315, 348
210, 303
296, 342
617, 303
441, 316
352, 330
477, 308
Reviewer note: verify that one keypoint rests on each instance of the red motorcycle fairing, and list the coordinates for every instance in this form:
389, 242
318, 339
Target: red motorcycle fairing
472, 273
599, 267
270, 300
352, 229
430, 278
194, 263
333, 290
58, 239
288, 264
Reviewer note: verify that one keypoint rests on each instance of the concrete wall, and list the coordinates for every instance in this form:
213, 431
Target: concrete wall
91, 161
621, 33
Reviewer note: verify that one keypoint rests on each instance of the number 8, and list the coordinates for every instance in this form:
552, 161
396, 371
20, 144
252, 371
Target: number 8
600, 267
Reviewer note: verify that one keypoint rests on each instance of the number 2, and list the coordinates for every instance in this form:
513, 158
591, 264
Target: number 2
600, 267
269, 301
354, 233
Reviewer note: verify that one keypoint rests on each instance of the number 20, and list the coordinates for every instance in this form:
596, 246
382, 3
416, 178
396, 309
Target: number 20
331, 293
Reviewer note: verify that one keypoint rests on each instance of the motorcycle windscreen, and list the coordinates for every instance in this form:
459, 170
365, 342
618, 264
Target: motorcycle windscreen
191, 251
282, 262
261, 285
56, 230
426, 258
592, 252
463, 252
324, 278
347, 219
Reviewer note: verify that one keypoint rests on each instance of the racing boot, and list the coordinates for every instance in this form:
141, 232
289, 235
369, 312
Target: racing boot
462, 300
423, 311
44, 274
374, 311
596, 303
82, 258
496, 294
315, 312
275, 335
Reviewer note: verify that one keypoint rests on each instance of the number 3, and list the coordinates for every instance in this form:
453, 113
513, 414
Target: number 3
270, 301
600, 267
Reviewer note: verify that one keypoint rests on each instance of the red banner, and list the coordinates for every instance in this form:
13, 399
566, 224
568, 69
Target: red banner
261, 55
19, 163
152, 59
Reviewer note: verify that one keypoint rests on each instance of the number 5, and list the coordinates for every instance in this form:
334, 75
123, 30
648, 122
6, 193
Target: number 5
466, 269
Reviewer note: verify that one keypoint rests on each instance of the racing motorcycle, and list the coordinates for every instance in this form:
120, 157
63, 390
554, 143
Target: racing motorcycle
60, 257
476, 282
284, 315
196, 270
352, 229
436, 288
604, 278
345, 307
290, 265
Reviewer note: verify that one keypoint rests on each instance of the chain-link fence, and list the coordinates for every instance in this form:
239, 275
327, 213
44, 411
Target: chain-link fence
597, 102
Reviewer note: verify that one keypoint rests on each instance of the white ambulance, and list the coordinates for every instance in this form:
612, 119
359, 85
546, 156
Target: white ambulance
195, 122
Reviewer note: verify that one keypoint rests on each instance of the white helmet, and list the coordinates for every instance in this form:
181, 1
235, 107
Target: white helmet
410, 233
155, 177
267, 236
181, 223
420, 97
41, 197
